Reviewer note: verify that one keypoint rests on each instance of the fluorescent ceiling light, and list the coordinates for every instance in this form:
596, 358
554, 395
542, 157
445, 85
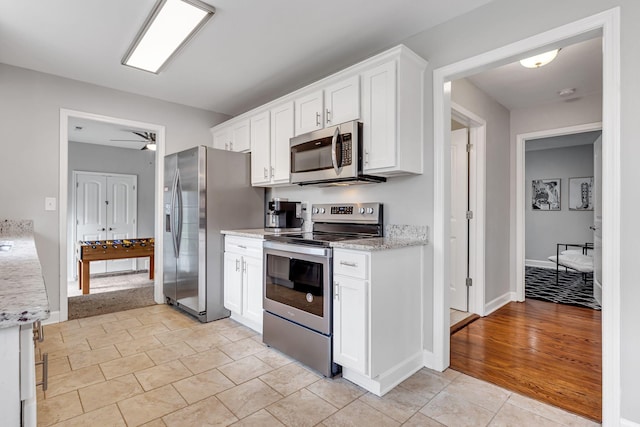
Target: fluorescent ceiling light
539, 60
169, 27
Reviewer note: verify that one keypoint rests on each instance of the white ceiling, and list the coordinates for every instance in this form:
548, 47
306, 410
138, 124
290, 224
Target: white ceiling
250, 52
578, 66
95, 132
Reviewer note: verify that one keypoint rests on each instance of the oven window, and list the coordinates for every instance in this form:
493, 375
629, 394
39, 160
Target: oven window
296, 283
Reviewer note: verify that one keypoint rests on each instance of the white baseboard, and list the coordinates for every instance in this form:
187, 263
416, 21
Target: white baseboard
540, 264
386, 381
54, 317
429, 360
627, 423
502, 300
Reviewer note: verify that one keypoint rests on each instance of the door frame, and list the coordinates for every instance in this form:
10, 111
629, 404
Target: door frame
607, 24
63, 197
521, 192
71, 271
477, 203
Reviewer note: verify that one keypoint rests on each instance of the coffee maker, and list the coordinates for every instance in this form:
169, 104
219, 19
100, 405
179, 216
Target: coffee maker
283, 214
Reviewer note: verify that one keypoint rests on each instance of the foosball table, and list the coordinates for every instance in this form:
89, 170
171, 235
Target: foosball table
104, 250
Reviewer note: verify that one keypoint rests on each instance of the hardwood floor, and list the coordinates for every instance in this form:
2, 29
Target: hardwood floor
549, 352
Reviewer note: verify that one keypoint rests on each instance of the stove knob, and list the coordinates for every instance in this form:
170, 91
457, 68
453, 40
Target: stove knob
322, 210
314, 211
361, 210
369, 210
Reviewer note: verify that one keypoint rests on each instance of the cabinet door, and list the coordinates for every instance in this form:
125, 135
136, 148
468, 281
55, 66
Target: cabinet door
240, 136
233, 282
252, 281
350, 329
222, 138
309, 113
342, 101
379, 117
260, 149
281, 132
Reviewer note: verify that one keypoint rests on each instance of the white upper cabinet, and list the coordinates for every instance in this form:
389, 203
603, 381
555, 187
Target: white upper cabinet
309, 112
234, 137
342, 101
260, 149
334, 104
281, 132
392, 115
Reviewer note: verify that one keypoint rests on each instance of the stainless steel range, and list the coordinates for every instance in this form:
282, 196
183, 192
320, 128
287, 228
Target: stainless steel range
298, 278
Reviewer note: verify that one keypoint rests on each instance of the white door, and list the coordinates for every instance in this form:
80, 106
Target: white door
121, 207
106, 209
459, 224
597, 219
91, 215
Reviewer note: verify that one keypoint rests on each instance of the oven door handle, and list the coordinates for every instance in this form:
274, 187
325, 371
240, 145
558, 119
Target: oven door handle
289, 250
337, 165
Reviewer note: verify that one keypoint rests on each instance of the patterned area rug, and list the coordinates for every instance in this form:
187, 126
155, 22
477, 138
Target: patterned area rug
540, 283
109, 302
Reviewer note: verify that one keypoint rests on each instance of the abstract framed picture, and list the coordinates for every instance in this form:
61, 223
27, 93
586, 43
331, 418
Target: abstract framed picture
545, 194
581, 194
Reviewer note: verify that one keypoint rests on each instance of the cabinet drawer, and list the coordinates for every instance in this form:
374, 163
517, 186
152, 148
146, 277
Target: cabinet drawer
351, 263
243, 246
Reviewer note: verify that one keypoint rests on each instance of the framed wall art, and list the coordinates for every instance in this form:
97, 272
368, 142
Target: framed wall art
545, 194
581, 194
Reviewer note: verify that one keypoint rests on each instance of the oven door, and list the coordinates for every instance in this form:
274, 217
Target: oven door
326, 154
297, 284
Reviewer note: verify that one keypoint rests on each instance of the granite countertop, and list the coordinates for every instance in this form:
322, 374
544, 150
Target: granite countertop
23, 296
378, 243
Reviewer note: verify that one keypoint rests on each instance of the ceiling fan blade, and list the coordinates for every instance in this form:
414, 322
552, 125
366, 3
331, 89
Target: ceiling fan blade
126, 140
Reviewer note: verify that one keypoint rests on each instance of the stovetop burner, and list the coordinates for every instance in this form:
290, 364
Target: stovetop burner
333, 223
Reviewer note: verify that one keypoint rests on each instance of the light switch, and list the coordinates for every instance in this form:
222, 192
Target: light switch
49, 203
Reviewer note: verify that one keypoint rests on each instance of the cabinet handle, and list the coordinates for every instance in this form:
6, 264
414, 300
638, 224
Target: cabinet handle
317, 119
237, 265
244, 265
101, 229
336, 292
242, 246
38, 331
45, 372
366, 157
272, 171
349, 264
231, 146
226, 146
266, 173
328, 116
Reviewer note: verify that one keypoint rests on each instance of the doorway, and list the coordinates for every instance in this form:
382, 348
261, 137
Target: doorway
67, 245
607, 24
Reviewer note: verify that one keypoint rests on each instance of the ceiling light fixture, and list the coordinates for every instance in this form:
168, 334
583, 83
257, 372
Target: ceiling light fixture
539, 60
150, 146
171, 24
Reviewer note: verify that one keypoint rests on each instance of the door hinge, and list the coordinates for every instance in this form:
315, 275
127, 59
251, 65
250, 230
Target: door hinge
469, 281
468, 148
469, 214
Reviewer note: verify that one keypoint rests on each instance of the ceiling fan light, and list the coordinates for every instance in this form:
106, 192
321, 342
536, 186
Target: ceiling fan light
171, 24
538, 61
150, 146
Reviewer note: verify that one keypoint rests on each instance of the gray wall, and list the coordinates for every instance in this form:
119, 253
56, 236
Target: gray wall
102, 158
506, 21
30, 104
546, 228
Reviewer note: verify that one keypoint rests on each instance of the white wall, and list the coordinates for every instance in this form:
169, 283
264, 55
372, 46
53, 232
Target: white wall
30, 104
506, 21
544, 229
465, 94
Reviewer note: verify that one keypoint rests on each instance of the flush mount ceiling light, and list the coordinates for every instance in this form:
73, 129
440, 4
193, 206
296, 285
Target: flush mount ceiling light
539, 60
171, 24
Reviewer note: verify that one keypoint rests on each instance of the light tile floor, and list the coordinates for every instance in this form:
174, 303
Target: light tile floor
157, 367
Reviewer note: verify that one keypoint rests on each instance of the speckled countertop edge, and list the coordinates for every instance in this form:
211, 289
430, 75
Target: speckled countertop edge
23, 296
256, 233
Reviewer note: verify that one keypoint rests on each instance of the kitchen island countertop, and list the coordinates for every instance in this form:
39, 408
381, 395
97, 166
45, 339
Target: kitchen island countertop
23, 296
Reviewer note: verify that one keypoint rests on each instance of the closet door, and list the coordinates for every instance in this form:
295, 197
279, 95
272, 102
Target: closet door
91, 215
121, 213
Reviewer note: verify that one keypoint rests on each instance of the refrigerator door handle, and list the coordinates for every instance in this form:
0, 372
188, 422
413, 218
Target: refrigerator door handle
178, 236
172, 219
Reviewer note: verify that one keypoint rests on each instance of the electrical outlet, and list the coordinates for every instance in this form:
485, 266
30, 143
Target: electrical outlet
49, 203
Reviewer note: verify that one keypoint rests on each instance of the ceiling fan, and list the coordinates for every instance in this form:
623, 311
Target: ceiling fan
148, 137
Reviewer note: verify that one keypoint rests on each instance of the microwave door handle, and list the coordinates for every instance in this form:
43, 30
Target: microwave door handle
334, 152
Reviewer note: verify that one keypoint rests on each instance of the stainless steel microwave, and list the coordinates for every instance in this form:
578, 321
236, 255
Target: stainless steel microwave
332, 155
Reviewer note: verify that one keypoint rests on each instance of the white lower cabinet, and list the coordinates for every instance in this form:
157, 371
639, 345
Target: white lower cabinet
243, 280
377, 320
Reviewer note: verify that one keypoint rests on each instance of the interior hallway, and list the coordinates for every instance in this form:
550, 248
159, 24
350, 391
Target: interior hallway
550, 352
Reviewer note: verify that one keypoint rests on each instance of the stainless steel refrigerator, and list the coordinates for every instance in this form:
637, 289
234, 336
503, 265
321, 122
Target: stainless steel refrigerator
205, 190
